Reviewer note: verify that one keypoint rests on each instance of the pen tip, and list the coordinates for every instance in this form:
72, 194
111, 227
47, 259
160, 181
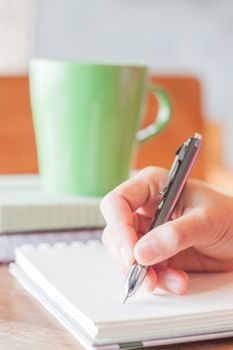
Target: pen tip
125, 299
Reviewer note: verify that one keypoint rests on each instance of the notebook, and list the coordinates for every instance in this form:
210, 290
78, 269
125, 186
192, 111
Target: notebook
24, 207
10, 241
83, 289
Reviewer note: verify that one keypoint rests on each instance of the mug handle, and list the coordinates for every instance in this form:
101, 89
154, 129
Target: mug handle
162, 118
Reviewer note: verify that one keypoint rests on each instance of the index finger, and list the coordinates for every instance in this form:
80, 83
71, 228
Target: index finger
119, 205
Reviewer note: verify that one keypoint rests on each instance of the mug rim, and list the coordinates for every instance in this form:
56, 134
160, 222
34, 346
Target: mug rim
87, 63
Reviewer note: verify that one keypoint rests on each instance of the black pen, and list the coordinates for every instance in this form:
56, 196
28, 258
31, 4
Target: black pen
186, 156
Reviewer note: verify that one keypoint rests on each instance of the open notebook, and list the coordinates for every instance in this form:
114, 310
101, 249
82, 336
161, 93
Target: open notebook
83, 289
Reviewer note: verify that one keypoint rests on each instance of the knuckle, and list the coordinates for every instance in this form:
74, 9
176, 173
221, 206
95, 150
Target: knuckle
152, 170
207, 219
176, 234
207, 214
105, 202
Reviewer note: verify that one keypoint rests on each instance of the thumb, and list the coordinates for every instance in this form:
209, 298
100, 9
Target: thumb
167, 240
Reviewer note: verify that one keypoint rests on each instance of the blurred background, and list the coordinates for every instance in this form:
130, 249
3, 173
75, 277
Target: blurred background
175, 38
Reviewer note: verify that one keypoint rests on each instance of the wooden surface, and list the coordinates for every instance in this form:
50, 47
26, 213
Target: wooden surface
24, 324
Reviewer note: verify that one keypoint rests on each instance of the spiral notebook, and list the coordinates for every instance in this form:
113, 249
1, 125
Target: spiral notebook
83, 289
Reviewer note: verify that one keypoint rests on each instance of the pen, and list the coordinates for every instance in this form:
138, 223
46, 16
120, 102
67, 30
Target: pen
184, 161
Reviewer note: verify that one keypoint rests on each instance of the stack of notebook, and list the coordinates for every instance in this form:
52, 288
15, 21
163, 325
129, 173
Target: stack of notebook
81, 287
27, 215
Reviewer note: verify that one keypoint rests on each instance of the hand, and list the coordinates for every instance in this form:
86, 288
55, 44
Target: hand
198, 238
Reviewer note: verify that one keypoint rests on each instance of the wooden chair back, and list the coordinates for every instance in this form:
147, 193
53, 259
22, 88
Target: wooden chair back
17, 144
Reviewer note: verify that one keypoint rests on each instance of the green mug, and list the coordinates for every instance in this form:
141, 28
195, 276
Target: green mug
86, 120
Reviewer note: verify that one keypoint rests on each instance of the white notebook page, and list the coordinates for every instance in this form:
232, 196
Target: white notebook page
85, 283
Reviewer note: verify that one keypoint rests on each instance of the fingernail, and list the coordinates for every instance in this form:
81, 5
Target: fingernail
126, 255
172, 285
147, 250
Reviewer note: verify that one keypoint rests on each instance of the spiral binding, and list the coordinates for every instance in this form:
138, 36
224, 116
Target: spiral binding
60, 245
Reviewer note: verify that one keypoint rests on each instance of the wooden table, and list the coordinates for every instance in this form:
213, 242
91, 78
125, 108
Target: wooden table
24, 324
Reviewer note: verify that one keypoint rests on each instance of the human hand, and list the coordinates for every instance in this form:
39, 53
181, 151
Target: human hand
199, 236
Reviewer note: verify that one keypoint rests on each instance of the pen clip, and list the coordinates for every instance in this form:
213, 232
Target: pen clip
180, 154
